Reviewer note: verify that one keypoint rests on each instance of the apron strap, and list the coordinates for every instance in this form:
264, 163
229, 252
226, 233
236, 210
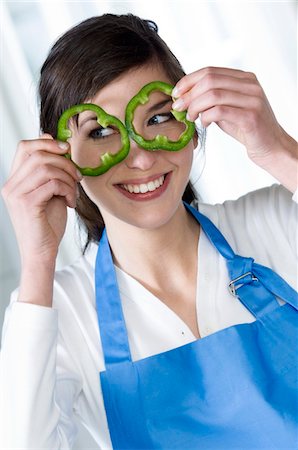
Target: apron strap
111, 322
255, 285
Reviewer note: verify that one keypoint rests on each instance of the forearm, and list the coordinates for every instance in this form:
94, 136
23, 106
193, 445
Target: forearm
27, 375
30, 416
36, 284
283, 163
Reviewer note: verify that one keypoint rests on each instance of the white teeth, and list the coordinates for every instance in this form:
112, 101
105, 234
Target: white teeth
151, 186
156, 183
144, 187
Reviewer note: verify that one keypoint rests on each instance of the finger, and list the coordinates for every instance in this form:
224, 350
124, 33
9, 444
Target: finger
42, 162
46, 136
219, 97
237, 122
43, 176
220, 113
189, 80
28, 147
40, 196
56, 188
215, 81
14, 191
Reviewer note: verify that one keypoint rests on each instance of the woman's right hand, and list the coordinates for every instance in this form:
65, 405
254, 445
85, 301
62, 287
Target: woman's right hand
41, 185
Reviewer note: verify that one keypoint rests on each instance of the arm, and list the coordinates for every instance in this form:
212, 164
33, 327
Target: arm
41, 185
236, 102
263, 224
36, 397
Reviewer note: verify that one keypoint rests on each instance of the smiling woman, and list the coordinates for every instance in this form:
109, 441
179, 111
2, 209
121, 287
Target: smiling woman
134, 339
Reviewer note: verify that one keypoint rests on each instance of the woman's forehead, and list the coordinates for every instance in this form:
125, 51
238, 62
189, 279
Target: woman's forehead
122, 89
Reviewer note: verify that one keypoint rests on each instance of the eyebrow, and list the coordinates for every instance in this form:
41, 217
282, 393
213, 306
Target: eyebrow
151, 109
159, 105
80, 124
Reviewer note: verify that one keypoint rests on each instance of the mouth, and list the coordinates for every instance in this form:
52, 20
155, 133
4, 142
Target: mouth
145, 191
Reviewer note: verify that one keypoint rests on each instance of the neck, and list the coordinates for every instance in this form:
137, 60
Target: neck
152, 256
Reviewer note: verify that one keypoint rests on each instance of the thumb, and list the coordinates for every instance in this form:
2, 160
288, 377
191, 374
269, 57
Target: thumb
46, 136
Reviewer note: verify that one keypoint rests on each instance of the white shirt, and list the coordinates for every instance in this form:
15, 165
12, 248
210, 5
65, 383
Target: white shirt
51, 357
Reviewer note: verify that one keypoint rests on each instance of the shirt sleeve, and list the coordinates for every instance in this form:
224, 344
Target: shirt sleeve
269, 217
263, 225
36, 397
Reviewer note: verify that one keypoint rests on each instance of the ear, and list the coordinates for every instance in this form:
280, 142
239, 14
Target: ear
195, 139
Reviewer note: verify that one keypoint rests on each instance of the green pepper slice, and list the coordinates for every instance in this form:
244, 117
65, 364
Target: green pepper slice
108, 160
160, 142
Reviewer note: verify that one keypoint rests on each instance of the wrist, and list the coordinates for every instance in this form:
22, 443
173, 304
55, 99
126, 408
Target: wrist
45, 266
36, 285
283, 163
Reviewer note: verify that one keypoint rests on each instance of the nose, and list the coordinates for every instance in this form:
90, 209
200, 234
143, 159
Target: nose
138, 158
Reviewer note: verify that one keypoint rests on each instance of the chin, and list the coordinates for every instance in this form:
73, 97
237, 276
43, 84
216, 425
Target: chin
148, 214
150, 218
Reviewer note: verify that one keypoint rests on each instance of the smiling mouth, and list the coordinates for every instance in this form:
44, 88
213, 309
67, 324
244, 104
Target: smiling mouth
143, 188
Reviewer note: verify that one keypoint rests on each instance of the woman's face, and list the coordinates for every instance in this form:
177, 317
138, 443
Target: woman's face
164, 173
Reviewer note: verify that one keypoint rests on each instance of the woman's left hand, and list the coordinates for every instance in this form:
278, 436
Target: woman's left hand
236, 102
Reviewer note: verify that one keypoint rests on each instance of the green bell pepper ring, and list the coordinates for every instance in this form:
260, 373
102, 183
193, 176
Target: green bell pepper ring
107, 160
160, 142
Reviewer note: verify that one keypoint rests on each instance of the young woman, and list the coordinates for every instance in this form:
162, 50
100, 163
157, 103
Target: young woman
147, 306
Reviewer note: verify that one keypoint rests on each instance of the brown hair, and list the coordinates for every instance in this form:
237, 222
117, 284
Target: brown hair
84, 60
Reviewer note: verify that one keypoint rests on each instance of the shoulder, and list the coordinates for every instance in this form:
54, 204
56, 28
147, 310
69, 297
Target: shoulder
261, 224
275, 200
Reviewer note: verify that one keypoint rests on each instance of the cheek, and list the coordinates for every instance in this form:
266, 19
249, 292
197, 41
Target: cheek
183, 158
94, 188
189, 155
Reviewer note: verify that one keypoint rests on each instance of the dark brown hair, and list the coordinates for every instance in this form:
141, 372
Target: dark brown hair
84, 60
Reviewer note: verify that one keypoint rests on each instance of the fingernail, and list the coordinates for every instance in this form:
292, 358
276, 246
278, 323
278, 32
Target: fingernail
178, 105
63, 145
175, 92
187, 117
78, 192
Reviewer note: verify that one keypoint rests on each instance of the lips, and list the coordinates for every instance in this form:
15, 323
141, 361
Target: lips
144, 180
145, 189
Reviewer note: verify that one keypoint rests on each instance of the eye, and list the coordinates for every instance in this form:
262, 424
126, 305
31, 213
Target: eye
160, 118
101, 133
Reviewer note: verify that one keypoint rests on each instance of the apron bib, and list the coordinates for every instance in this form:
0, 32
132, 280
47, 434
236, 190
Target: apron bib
234, 389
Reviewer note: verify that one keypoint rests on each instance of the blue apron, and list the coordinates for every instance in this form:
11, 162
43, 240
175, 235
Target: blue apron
234, 389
